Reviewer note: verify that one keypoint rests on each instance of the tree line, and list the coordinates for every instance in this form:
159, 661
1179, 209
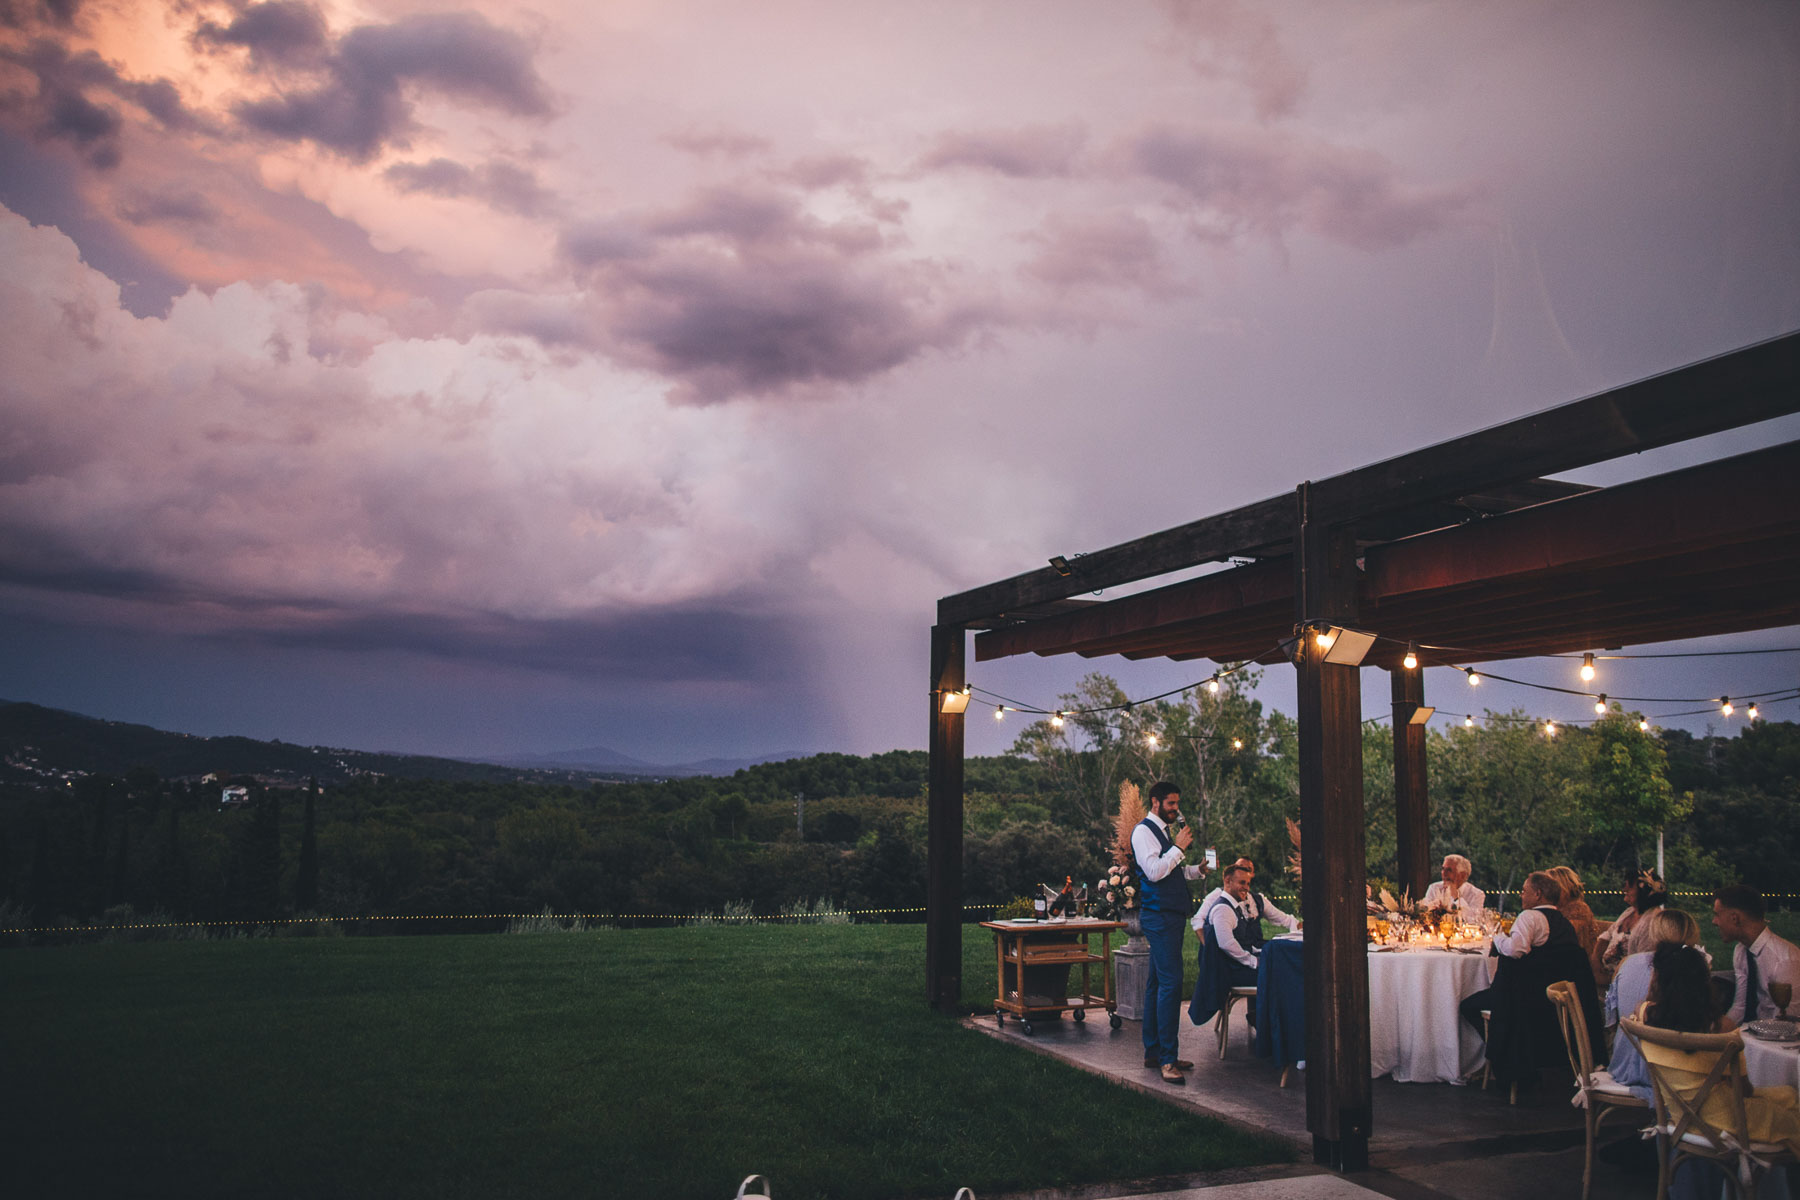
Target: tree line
850, 830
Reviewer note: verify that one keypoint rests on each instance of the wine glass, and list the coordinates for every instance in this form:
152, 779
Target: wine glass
1783, 995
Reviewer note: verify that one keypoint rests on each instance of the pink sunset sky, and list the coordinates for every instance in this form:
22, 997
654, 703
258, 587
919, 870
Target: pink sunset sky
497, 378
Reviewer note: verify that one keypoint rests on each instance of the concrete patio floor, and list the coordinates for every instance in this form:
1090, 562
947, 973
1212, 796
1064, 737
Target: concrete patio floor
1430, 1141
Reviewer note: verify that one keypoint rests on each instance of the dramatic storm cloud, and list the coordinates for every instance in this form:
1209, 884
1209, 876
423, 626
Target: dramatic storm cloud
515, 377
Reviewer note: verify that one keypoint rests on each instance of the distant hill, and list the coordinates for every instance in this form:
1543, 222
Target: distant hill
607, 760
38, 743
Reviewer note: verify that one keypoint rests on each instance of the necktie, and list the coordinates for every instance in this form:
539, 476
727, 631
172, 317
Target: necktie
1751, 983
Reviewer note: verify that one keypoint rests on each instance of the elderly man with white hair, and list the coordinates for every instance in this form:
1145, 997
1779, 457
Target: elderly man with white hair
1454, 893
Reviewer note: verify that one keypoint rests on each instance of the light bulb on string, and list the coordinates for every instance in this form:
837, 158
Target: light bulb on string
1549, 728
1474, 679
1751, 713
1237, 743
1587, 667
1411, 661
999, 712
1150, 740
1056, 720
1600, 704
1469, 721
1725, 705
1643, 726
1212, 685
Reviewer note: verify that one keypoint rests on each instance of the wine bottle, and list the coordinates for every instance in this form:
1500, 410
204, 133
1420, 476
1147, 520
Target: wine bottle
1037, 902
1065, 900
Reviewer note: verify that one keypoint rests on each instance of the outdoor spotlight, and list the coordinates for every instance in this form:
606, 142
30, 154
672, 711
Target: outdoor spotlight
1421, 715
1587, 667
1344, 647
1062, 565
953, 702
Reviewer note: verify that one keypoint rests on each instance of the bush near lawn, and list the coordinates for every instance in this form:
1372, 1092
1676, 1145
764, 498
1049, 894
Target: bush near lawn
613, 1062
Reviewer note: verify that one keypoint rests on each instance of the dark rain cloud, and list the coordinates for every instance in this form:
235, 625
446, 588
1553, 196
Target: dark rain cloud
501, 185
285, 32
740, 292
77, 96
359, 103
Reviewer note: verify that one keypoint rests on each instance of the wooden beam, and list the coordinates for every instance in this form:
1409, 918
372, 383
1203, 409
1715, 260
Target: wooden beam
1412, 824
1731, 390
1338, 1093
1212, 539
944, 827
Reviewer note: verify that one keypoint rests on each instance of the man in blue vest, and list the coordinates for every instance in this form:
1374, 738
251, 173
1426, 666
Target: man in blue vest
1231, 941
1162, 873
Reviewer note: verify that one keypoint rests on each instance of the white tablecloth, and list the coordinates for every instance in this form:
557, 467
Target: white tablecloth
1772, 1064
1415, 1033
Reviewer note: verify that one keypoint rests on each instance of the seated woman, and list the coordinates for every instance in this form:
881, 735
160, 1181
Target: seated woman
1645, 892
1572, 906
1682, 1000
1631, 987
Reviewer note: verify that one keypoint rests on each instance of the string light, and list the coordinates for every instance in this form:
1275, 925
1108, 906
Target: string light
1056, 720
1411, 661
1150, 740
1212, 685
1469, 721
1587, 667
1474, 679
1549, 728
1725, 705
1237, 743
1751, 713
1600, 704
999, 712
1323, 639
1643, 726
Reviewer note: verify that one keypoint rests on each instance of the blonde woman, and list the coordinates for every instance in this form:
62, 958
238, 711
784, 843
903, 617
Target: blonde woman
1576, 909
1631, 987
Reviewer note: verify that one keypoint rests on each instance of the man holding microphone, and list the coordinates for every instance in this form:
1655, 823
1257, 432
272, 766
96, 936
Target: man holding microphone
1159, 849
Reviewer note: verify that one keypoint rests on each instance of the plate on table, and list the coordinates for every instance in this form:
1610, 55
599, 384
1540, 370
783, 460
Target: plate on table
1773, 1030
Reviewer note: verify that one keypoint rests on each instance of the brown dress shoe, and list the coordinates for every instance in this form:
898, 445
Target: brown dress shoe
1171, 1075
1153, 1062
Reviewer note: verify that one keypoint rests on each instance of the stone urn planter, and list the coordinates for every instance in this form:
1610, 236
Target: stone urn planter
1131, 969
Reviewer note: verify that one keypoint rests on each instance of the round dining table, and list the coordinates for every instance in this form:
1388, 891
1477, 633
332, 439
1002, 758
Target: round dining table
1415, 1032
1771, 1064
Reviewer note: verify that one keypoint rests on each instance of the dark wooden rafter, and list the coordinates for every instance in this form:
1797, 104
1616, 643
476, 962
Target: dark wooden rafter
1756, 383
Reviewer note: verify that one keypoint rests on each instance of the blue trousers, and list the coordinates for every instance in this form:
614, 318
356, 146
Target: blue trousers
1162, 990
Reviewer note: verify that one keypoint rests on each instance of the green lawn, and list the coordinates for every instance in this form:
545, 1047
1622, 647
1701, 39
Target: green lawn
623, 1063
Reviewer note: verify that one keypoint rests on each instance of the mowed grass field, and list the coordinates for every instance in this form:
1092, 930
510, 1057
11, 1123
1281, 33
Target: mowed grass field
612, 1063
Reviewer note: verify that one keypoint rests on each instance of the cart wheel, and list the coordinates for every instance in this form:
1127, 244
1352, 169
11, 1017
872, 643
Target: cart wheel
1028, 1029
1081, 1014
1115, 1020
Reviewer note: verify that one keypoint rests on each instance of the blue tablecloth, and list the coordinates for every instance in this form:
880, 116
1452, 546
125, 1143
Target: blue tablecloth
1281, 1002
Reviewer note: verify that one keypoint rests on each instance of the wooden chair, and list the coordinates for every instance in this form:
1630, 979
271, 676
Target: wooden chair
1222, 1023
1598, 1094
1682, 1133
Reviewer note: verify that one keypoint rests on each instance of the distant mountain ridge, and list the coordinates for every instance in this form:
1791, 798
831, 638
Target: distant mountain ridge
40, 743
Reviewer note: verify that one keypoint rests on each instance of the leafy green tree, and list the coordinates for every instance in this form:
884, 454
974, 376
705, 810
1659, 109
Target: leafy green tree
1628, 797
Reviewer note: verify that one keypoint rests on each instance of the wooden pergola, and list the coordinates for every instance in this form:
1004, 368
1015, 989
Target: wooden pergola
1462, 545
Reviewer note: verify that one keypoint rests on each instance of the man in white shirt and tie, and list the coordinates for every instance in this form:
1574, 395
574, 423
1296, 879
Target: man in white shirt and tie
1454, 892
1760, 956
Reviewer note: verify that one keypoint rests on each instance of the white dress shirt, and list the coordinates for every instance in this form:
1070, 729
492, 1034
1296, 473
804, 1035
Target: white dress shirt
1153, 860
1777, 961
1467, 897
1530, 930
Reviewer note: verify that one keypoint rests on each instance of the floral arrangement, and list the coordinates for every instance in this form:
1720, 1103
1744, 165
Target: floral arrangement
1116, 895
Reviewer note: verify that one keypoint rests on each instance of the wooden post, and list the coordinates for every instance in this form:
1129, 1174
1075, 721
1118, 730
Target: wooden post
1338, 1093
1413, 840
944, 827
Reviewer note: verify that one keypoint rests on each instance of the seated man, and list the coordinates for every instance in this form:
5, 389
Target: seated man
1759, 956
1542, 949
1230, 941
1454, 892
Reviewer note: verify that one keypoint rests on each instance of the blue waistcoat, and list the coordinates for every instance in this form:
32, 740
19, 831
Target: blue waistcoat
1170, 893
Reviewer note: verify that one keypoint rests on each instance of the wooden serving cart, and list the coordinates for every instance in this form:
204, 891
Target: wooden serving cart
1033, 960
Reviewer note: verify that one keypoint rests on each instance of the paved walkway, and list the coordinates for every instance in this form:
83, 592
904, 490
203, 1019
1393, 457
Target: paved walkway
1430, 1141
